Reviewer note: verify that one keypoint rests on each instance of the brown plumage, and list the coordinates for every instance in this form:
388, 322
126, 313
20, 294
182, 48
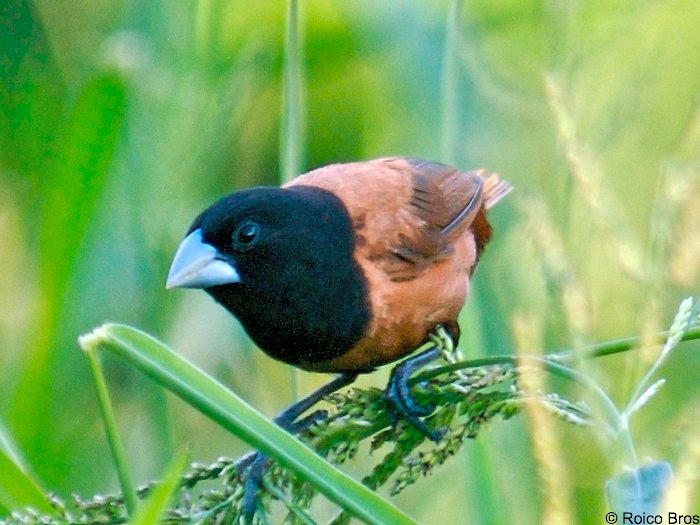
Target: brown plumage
419, 230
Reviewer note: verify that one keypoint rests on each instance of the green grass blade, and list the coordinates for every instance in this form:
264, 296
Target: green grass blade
9, 447
450, 85
17, 489
115, 443
74, 179
292, 129
151, 510
80, 167
228, 410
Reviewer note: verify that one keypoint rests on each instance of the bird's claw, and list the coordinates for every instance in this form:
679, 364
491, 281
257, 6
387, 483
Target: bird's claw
411, 412
315, 417
251, 467
254, 472
402, 403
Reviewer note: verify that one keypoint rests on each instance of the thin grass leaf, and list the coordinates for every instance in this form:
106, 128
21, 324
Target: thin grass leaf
292, 129
450, 84
232, 413
617, 346
9, 448
18, 489
115, 442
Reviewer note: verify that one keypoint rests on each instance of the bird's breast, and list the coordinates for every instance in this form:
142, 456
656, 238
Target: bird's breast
404, 313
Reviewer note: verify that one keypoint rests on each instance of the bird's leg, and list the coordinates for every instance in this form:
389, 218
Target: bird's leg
398, 392
287, 419
254, 464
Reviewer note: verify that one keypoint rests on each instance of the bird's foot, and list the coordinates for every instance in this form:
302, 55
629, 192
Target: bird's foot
401, 401
398, 392
252, 466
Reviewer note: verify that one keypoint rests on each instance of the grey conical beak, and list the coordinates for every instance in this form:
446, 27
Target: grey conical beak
198, 265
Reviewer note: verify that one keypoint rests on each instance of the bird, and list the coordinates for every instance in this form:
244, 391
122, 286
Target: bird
346, 268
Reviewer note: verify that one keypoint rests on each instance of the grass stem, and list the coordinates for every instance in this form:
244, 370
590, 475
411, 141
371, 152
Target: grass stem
617, 346
292, 129
450, 85
115, 443
603, 349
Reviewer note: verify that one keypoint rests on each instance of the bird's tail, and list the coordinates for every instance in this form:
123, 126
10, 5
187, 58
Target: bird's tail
494, 190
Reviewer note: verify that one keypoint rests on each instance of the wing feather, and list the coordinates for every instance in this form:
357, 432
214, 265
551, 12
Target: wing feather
410, 211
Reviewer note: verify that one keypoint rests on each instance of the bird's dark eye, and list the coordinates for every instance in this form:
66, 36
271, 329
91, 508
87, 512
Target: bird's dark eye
245, 235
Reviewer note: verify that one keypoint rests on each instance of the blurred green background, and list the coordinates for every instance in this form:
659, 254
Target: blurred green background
121, 120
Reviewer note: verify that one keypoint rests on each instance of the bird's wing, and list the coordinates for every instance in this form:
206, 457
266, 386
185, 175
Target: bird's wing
443, 202
407, 213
